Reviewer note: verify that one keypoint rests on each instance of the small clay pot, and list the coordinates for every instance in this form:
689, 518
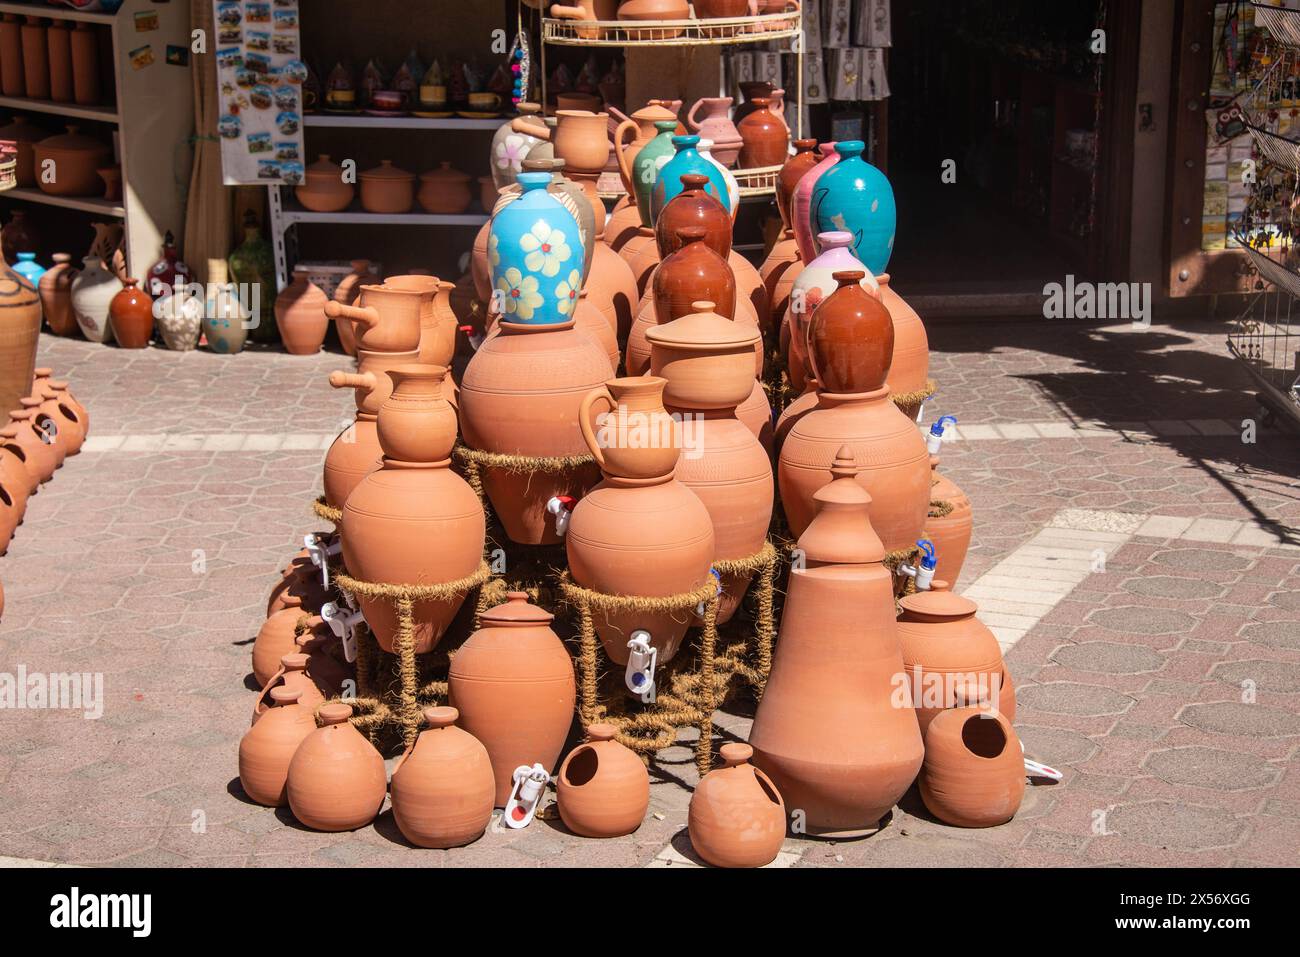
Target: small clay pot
76, 159
736, 816
387, 189
603, 788
130, 313
974, 771
442, 785
277, 638
444, 190
268, 747
336, 780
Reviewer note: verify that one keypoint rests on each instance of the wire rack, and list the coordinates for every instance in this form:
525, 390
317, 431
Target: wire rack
1284, 24
1274, 148
721, 30
1263, 339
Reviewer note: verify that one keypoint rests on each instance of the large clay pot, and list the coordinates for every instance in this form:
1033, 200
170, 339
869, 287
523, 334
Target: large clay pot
801, 217
393, 514
336, 779
851, 337
693, 207
300, 315
803, 160
636, 438
736, 816
292, 674
130, 312
25, 136
386, 320
444, 190
387, 189
268, 747
856, 197
950, 533
92, 290
514, 686
323, 189
20, 330
644, 125
815, 282
974, 771
830, 729
520, 396
225, 319
686, 160
909, 372
12, 81
55, 289
536, 256
442, 785
511, 146
765, 138
603, 788
757, 415
58, 41
716, 125
76, 158
641, 253
85, 64
36, 59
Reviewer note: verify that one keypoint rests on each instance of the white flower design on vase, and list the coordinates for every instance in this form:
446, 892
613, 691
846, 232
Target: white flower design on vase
494, 250
544, 249
519, 294
511, 152
566, 293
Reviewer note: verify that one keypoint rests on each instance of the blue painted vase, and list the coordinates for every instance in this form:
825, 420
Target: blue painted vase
536, 255
855, 197
29, 268
687, 160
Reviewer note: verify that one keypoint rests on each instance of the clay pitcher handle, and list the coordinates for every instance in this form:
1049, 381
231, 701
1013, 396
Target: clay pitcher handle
266, 689
585, 417
620, 150
690, 117
365, 316
522, 124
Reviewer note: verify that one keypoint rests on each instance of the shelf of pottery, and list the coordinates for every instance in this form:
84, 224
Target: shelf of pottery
99, 116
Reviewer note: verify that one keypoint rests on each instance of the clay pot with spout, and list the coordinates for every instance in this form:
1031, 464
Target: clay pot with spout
268, 747
715, 124
830, 730
356, 452
387, 320
292, 674
336, 780
736, 816
437, 321
974, 771
765, 138
950, 533
300, 315
693, 207
603, 788
442, 785
514, 686
909, 371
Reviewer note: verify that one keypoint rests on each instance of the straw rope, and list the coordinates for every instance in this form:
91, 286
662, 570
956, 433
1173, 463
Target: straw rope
911, 401
327, 512
940, 508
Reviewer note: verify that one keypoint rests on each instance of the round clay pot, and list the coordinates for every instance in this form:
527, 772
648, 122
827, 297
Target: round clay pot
323, 189
749, 91
813, 284
589, 319
442, 785
301, 586
300, 315
387, 318
268, 747
805, 157
623, 224
387, 189
764, 136
693, 273
444, 190
76, 159
55, 289
636, 438
909, 371
850, 338
292, 674
603, 788
950, 533
45, 427
514, 686
801, 212
974, 771
415, 421
716, 124
336, 780
693, 208
736, 816
130, 313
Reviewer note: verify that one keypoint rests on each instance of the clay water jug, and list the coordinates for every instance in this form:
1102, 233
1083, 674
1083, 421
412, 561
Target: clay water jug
603, 788
635, 438
801, 220
715, 124
851, 339
909, 371
268, 747
580, 138
646, 536
355, 453
832, 730
856, 197
686, 160
950, 533
764, 136
292, 673
336, 780
35, 59
643, 126
749, 91
442, 786
387, 318
437, 321
130, 313
394, 514
805, 157
55, 289
300, 315
814, 283
736, 816
514, 687
655, 11
693, 207
974, 771
520, 396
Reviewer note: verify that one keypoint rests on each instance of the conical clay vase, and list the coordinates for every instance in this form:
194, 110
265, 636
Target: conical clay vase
442, 786
337, 780
974, 772
603, 788
736, 816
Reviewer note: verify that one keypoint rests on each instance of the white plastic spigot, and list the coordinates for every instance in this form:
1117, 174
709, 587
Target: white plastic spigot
343, 622
934, 438
561, 506
923, 570
525, 796
640, 674
321, 552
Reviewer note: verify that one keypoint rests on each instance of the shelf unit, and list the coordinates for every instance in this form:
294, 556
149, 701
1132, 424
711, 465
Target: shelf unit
364, 121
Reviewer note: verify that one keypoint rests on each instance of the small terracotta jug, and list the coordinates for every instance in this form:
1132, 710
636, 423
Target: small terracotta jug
974, 771
736, 816
292, 674
716, 124
764, 137
336, 780
637, 438
130, 313
437, 321
442, 785
300, 316
268, 747
603, 788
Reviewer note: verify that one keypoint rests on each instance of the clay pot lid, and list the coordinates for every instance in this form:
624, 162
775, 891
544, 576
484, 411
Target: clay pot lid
517, 610
445, 173
653, 112
387, 171
939, 602
601, 732
735, 752
841, 532
704, 329
440, 716
73, 141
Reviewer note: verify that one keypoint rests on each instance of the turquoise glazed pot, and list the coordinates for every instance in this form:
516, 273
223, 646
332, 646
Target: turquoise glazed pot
536, 255
855, 197
687, 160
29, 268
647, 163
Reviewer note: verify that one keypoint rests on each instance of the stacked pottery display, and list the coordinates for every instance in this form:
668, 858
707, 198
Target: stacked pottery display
640, 532
736, 816
830, 729
854, 196
602, 788
442, 785
336, 780
395, 515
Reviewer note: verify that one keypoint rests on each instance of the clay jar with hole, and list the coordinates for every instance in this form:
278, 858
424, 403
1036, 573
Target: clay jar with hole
14, 472
292, 674
909, 370
830, 730
520, 396
948, 650
71, 429
764, 137
12, 507
47, 429
387, 318
442, 785
736, 816
974, 771
603, 788
395, 514
130, 312
300, 315
693, 207
950, 533
39, 456
268, 747
514, 687
437, 321
336, 780
356, 452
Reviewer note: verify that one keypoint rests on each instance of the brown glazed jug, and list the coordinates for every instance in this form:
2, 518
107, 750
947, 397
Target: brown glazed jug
442, 785
300, 315
291, 674
520, 396
393, 516
974, 771
514, 687
736, 816
693, 207
804, 159
336, 780
130, 312
909, 369
267, 748
950, 533
55, 290
764, 137
834, 730
603, 788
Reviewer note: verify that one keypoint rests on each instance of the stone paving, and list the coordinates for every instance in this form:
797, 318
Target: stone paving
1166, 686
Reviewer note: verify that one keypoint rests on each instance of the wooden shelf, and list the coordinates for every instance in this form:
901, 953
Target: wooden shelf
363, 121
106, 114
51, 12
294, 214
87, 204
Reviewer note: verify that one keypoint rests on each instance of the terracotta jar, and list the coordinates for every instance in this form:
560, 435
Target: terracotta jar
54, 404
764, 137
801, 211
323, 189
641, 253
387, 319
25, 434
301, 582
624, 221
603, 788
130, 313
14, 474
276, 637
336, 780
85, 64
520, 396
444, 190
387, 189
437, 321
347, 292
636, 438
77, 158
588, 10
693, 208
12, 81
25, 136
292, 674
757, 415
11, 515
55, 289
300, 315
830, 730
850, 338
36, 59
804, 159
909, 372
642, 124
946, 648
736, 816
814, 283
779, 272
950, 533
58, 41
46, 428
974, 771
442, 785
514, 686
393, 513
693, 273
356, 452
20, 330
716, 124
267, 748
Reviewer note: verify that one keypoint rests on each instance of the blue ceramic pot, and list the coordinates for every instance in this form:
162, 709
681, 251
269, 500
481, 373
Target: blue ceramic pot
855, 197
687, 160
29, 268
536, 255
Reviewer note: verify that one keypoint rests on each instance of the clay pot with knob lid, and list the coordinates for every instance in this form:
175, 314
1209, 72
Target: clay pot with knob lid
736, 816
324, 190
336, 780
77, 159
603, 788
291, 674
268, 747
387, 319
974, 771
442, 785
387, 189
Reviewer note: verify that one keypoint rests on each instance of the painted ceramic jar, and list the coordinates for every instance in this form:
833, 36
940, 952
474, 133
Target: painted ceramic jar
179, 318
736, 816
225, 320
536, 256
765, 139
974, 771
300, 315
336, 780
646, 166
442, 785
168, 271
856, 197
55, 290
603, 788
130, 312
687, 160
92, 290
573, 194
268, 747
715, 124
